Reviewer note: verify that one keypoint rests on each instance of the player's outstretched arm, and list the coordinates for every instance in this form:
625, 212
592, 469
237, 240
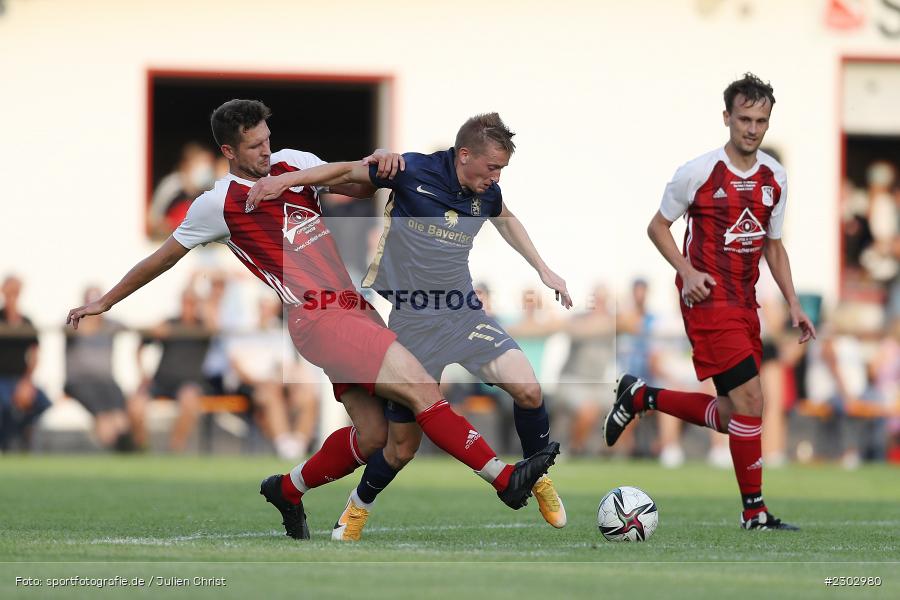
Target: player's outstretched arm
780, 265
140, 275
512, 230
337, 175
696, 284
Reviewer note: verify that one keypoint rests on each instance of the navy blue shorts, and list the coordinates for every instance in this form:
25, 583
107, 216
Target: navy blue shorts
468, 337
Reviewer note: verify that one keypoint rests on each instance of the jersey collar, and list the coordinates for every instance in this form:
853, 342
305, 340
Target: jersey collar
742, 174
450, 167
239, 180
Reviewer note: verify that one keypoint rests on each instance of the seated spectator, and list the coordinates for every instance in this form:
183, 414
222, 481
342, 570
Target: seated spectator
90, 381
179, 376
585, 382
21, 402
532, 329
271, 373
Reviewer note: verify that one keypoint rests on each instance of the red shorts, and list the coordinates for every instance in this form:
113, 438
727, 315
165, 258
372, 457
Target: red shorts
348, 344
721, 338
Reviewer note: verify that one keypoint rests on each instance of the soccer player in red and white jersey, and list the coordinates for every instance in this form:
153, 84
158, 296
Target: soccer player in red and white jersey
734, 200
287, 245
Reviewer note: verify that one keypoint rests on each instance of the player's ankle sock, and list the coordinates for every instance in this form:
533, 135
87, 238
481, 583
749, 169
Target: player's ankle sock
454, 435
291, 491
339, 456
699, 409
746, 454
376, 477
497, 473
354, 495
533, 427
753, 505
645, 399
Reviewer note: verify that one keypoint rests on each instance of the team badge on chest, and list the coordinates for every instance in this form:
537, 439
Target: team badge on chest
768, 195
476, 207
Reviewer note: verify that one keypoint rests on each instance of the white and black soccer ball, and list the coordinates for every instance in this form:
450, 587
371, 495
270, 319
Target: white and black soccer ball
627, 514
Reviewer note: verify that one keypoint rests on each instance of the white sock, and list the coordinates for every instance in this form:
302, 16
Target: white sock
297, 478
491, 470
354, 497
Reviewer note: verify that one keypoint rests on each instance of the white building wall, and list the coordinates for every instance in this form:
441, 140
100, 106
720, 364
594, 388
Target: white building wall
607, 97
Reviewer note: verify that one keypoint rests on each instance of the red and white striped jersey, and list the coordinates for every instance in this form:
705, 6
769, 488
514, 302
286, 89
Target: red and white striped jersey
729, 214
284, 242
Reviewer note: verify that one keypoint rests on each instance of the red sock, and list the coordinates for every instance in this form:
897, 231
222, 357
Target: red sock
502, 480
289, 490
338, 457
746, 453
699, 409
454, 435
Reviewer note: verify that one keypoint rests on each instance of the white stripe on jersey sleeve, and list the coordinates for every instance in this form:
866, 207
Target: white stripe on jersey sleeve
205, 220
776, 219
689, 177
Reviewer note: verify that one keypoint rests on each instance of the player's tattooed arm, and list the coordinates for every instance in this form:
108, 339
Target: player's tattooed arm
514, 233
696, 285
140, 274
780, 266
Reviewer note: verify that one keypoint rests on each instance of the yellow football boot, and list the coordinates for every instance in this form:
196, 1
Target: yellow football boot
551, 506
350, 524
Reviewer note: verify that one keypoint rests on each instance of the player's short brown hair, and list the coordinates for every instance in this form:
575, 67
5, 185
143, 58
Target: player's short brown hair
751, 87
481, 129
233, 118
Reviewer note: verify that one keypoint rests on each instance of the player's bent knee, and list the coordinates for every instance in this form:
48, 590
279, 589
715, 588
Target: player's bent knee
530, 396
403, 454
371, 440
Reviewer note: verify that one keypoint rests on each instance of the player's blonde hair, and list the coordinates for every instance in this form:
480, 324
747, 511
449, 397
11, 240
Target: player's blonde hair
478, 131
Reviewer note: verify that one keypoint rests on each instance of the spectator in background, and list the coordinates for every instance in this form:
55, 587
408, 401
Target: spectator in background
878, 258
216, 365
21, 402
838, 376
773, 369
588, 367
635, 329
90, 381
271, 373
194, 174
185, 341
639, 350
886, 368
532, 329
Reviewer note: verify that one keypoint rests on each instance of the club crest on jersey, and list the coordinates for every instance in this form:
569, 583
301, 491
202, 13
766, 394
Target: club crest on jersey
295, 218
768, 195
747, 228
476, 207
451, 218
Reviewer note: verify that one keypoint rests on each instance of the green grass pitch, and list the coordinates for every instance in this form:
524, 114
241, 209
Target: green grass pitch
438, 531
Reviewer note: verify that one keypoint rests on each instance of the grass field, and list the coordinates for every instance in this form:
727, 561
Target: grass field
439, 531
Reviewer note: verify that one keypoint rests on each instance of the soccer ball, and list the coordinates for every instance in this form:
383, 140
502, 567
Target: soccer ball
627, 514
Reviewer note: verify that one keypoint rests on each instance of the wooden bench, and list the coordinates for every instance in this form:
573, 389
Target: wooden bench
211, 405
857, 409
